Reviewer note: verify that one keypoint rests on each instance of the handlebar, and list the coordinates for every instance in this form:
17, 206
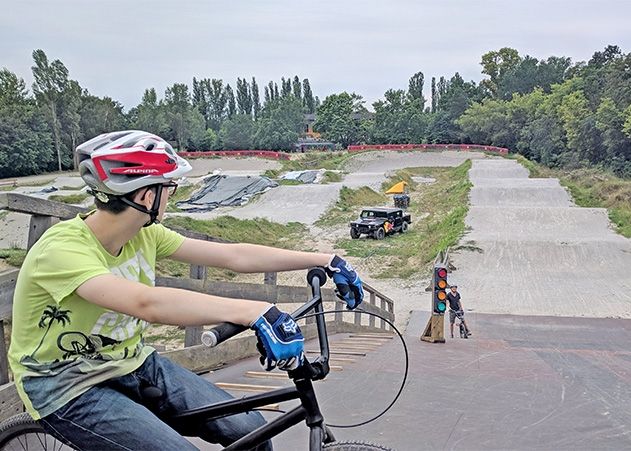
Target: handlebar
316, 277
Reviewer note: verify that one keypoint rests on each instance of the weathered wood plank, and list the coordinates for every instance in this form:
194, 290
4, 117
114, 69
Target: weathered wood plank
4, 361
10, 403
37, 226
7, 287
22, 203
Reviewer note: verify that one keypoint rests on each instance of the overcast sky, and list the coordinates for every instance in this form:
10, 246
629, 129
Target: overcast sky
121, 47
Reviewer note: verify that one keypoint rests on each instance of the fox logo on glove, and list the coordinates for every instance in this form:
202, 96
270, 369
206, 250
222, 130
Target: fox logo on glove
290, 327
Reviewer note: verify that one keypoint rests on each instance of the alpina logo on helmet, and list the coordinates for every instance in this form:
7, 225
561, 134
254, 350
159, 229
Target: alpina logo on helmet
140, 171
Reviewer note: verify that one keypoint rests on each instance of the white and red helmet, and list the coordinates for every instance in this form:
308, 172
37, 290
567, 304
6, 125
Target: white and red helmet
121, 162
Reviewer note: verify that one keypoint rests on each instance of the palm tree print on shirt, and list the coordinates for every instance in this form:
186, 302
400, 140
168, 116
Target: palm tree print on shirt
51, 313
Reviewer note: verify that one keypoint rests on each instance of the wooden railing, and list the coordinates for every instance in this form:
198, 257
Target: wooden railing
198, 358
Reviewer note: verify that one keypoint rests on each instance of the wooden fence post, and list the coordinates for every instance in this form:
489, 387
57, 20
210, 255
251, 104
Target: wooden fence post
270, 278
193, 334
38, 225
4, 362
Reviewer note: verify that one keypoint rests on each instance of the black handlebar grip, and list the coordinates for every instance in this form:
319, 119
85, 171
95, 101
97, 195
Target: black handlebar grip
316, 272
221, 333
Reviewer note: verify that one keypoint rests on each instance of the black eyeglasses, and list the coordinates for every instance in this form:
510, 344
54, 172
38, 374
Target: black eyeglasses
171, 186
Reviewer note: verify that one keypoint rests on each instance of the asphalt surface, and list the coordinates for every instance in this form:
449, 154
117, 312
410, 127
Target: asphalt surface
520, 382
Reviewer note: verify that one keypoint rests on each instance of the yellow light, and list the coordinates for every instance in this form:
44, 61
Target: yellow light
442, 284
442, 295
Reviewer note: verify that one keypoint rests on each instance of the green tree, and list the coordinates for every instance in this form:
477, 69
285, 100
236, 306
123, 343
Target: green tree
617, 146
496, 64
230, 101
415, 89
339, 118
244, 97
150, 114
217, 103
25, 139
237, 132
280, 124
51, 82
297, 88
256, 102
308, 102
185, 123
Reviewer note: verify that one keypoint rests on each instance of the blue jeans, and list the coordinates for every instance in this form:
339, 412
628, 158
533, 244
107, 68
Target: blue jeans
111, 415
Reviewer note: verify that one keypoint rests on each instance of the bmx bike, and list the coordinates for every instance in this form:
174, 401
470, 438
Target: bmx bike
22, 432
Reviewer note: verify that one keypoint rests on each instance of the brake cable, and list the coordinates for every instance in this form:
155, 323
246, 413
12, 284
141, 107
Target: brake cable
405, 373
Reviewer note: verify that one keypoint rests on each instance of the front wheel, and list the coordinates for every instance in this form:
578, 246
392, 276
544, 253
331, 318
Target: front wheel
380, 234
404, 227
354, 233
22, 432
354, 446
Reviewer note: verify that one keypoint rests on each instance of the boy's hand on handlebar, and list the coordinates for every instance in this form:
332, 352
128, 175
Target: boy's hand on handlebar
280, 340
349, 285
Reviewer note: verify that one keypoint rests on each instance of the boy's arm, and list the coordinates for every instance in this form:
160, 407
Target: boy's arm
246, 258
167, 305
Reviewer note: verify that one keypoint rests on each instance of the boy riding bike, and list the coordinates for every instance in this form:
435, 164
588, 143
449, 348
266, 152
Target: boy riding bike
455, 309
86, 294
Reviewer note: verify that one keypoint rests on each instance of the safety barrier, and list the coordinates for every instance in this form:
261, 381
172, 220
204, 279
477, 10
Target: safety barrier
237, 153
461, 147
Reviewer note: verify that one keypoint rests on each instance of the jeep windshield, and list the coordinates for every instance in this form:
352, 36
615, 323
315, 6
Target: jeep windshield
368, 214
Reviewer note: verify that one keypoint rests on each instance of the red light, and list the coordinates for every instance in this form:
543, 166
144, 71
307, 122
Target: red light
442, 273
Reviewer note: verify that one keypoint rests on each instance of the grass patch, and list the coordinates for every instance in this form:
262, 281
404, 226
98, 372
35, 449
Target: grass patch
43, 182
13, 256
69, 198
256, 231
438, 212
288, 182
402, 175
3, 214
331, 177
182, 193
350, 203
594, 188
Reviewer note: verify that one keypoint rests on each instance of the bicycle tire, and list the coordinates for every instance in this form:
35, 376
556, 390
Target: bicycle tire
23, 426
354, 446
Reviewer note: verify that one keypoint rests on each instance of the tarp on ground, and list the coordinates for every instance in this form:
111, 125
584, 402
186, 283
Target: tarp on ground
398, 188
308, 176
225, 190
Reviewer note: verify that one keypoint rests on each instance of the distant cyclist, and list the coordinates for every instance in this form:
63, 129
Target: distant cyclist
455, 309
85, 296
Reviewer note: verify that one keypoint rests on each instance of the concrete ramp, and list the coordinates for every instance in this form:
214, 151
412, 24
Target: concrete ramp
534, 196
531, 251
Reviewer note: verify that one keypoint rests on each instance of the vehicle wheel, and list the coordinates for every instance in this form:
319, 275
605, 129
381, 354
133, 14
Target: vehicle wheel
22, 432
355, 233
354, 446
380, 234
404, 227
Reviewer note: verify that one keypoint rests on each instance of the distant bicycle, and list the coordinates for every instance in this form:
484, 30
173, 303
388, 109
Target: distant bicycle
461, 327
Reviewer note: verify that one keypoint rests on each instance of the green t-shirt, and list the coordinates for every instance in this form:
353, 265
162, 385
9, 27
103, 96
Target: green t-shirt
61, 344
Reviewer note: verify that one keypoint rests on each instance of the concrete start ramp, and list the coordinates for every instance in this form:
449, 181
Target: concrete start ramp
531, 251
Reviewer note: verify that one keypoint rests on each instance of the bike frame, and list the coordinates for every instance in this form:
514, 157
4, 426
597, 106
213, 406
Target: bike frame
309, 410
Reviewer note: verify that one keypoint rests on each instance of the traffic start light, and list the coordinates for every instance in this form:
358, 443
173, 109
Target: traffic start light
439, 284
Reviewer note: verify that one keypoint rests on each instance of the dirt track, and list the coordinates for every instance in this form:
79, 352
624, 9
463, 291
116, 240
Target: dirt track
539, 254
531, 251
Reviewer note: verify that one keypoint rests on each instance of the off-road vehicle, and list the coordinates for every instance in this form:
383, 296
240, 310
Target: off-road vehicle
379, 222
